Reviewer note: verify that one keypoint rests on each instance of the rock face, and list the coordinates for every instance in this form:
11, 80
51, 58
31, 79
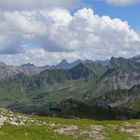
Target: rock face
7, 71
121, 74
30, 69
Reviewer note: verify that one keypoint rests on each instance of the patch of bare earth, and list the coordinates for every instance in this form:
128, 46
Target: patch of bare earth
95, 132
131, 128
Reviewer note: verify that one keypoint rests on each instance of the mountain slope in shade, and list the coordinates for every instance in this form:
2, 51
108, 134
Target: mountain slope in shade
64, 64
78, 109
121, 98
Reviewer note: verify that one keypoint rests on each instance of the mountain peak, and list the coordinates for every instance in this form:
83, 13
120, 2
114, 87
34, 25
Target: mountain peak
28, 65
63, 64
64, 61
119, 61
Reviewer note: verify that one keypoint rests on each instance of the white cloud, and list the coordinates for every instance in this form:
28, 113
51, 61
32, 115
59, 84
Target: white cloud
56, 35
122, 2
33, 4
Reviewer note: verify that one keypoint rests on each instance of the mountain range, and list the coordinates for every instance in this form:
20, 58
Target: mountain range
30, 89
29, 69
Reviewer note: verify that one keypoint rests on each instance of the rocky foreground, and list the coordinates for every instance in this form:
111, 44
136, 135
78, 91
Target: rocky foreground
8, 117
21, 127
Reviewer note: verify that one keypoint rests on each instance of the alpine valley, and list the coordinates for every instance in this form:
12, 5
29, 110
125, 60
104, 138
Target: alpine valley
70, 89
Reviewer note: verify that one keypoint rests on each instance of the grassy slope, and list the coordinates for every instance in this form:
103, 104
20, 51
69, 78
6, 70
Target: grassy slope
122, 98
45, 128
56, 93
133, 104
112, 130
50, 86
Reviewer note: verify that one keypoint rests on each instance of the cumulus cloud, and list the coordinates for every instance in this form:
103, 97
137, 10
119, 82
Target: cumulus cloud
122, 2
47, 36
38, 57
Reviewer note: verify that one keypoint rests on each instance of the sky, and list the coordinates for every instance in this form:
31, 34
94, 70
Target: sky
44, 32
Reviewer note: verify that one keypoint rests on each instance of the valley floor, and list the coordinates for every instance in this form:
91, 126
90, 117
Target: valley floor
22, 127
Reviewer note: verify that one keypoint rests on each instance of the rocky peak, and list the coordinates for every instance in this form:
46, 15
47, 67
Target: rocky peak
117, 62
28, 65
63, 64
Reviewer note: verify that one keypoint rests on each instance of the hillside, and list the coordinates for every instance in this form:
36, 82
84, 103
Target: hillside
22, 127
46, 88
121, 98
121, 74
78, 109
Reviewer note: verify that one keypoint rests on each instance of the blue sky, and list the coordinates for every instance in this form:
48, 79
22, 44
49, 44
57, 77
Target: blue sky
129, 13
